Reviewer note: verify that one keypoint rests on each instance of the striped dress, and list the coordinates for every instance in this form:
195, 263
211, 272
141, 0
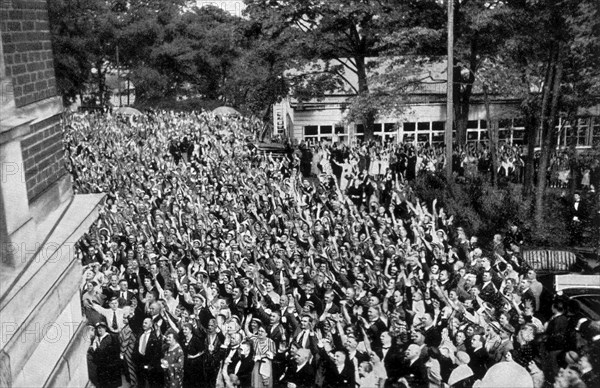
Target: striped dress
127, 341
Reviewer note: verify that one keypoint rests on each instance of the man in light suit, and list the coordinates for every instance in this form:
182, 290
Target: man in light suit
113, 315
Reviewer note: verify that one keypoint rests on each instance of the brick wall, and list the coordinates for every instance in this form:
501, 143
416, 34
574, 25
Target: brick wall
43, 155
27, 49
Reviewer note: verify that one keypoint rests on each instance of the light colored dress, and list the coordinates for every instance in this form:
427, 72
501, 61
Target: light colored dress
347, 169
262, 374
174, 373
384, 164
375, 165
585, 179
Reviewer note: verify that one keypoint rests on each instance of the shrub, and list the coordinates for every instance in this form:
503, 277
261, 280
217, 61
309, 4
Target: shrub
484, 211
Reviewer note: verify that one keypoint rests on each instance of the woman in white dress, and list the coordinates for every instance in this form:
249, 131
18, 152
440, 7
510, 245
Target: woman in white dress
375, 164
384, 163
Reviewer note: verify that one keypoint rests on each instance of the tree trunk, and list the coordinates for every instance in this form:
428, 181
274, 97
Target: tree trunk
463, 90
549, 113
573, 165
492, 128
363, 89
531, 129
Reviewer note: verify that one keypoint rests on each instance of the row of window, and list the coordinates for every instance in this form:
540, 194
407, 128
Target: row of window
432, 132
585, 133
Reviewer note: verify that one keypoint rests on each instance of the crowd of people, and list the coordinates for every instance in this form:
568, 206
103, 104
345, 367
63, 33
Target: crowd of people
214, 264
470, 162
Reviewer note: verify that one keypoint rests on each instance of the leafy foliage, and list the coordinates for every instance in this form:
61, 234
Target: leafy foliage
483, 210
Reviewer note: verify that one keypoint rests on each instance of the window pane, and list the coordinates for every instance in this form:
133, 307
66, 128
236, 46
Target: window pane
438, 137
472, 124
581, 136
377, 127
311, 130
484, 135
482, 124
505, 123
423, 138
503, 134
409, 138
438, 125
472, 135
360, 128
409, 127
423, 126
340, 129
326, 129
389, 127
519, 122
518, 136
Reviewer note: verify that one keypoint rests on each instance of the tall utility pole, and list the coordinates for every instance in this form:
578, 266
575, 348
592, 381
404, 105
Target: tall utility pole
119, 77
449, 91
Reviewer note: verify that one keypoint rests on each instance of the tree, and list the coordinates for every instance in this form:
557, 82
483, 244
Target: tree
481, 27
83, 36
334, 40
554, 47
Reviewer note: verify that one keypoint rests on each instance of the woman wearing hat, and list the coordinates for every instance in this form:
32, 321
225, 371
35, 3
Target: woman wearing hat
264, 351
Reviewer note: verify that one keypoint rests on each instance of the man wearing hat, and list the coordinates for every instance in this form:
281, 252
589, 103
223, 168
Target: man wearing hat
506, 345
104, 354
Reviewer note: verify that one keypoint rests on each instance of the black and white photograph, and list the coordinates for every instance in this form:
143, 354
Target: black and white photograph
300, 193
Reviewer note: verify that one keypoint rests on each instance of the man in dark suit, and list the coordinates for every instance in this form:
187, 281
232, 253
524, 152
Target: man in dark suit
391, 356
125, 296
301, 373
489, 292
330, 307
354, 356
135, 275
578, 214
241, 364
146, 356
433, 337
480, 360
304, 335
275, 330
239, 304
414, 369
375, 326
104, 354
338, 371
527, 295
211, 357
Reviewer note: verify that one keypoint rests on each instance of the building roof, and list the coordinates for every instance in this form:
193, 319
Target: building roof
422, 78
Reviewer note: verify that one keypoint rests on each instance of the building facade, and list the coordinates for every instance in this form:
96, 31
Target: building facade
41, 325
421, 118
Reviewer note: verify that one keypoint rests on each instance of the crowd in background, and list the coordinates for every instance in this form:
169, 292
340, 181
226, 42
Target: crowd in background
409, 160
214, 264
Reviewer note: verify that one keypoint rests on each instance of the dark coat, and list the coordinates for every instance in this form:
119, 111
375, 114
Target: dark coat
107, 362
304, 378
